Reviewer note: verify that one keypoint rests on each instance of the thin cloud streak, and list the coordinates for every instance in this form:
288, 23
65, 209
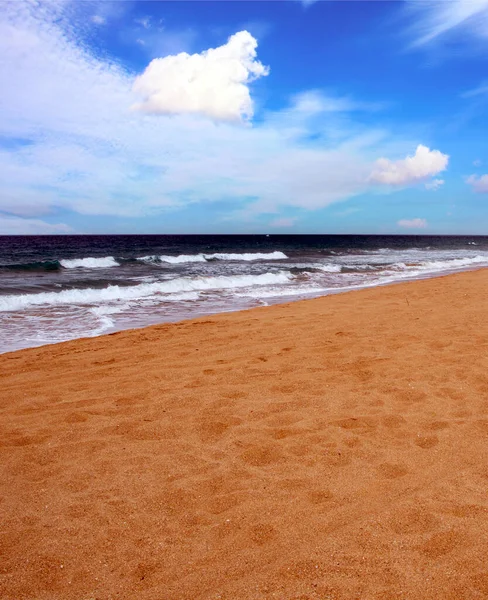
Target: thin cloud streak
438, 19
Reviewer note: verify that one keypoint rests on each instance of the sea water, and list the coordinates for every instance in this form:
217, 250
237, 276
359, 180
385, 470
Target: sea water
55, 288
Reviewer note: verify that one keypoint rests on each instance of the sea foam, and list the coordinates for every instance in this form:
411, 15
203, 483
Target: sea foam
193, 258
89, 263
89, 296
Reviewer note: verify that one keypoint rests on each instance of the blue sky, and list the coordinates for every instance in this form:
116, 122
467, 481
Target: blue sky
244, 117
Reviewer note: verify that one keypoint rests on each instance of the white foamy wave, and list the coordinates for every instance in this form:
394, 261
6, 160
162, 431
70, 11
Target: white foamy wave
455, 263
440, 265
329, 268
103, 311
325, 267
182, 258
193, 258
359, 267
113, 293
248, 256
89, 263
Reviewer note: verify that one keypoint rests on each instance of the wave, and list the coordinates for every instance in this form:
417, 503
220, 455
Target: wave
89, 263
109, 261
441, 265
174, 260
191, 258
42, 265
114, 293
248, 256
328, 268
455, 263
72, 263
308, 268
360, 268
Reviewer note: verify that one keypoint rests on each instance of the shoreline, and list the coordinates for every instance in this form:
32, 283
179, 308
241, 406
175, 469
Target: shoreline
332, 447
332, 292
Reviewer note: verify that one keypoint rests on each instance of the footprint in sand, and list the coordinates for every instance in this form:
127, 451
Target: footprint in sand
393, 421
360, 424
426, 441
76, 418
392, 470
413, 520
262, 533
261, 456
282, 433
440, 544
320, 496
212, 431
438, 425
217, 505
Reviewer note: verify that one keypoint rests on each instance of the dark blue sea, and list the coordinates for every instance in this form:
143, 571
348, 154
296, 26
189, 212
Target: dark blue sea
55, 288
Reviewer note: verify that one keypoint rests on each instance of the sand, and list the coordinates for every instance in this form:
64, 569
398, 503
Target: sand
334, 448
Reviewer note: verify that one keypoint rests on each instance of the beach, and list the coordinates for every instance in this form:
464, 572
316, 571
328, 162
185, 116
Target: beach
332, 448
60, 288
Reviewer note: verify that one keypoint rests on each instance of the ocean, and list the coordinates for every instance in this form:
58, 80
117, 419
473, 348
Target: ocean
56, 288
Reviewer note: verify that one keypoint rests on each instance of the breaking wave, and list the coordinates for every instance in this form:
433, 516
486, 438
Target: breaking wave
89, 263
113, 293
454, 263
191, 258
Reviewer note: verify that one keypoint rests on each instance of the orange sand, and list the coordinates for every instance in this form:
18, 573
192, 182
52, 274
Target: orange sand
327, 449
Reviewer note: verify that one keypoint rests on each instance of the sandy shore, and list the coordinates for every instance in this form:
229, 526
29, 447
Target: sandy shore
327, 449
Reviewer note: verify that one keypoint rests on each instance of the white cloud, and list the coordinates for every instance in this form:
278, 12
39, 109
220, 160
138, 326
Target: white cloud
412, 223
479, 184
283, 222
413, 169
438, 19
18, 226
98, 20
214, 83
144, 22
435, 184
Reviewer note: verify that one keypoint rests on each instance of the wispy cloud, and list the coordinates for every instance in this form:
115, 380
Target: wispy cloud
17, 226
437, 19
434, 185
145, 22
481, 90
98, 20
315, 101
347, 212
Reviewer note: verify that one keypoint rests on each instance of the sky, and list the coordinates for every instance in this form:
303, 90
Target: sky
244, 117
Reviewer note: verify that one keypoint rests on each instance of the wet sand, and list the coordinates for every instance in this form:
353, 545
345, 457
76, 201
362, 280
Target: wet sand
332, 449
